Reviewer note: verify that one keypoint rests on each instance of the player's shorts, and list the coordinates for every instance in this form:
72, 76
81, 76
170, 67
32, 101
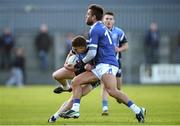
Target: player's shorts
102, 69
119, 70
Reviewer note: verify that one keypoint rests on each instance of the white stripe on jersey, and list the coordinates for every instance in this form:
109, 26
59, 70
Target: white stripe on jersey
92, 45
122, 37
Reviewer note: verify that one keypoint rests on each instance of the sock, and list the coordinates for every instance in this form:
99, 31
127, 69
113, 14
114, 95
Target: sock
56, 115
66, 86
76, 105
105, 105
133, 107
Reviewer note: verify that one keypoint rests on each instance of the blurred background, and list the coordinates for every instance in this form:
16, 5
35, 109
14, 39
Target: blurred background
42, 30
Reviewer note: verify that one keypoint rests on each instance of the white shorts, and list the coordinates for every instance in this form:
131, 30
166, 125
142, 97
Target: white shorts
102, 68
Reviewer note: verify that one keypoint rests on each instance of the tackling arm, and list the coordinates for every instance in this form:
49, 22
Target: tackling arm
90, 54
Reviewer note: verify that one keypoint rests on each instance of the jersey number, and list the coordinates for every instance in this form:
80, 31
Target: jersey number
107, 34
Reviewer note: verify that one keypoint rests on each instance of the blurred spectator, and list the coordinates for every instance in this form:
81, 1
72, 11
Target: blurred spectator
43, 42
1, 52
178, 47
18, 69
152, 41
69, 38
6, 45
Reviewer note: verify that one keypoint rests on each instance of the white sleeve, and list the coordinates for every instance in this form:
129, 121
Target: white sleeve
90, 54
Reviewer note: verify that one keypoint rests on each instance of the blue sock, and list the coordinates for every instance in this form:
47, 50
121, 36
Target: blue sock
76, 101
129, 103
104, 103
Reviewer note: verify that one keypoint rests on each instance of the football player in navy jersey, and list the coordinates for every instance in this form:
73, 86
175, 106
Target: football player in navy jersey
120, 42
79, 48
101, 49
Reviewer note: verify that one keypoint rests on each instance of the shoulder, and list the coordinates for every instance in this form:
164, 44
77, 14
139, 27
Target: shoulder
97, 29
119, 30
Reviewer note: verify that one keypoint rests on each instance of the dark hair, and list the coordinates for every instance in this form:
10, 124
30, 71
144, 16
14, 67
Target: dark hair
109, 13
79, 41
97, 10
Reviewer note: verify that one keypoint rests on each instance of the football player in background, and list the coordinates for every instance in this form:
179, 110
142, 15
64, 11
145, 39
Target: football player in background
120, 42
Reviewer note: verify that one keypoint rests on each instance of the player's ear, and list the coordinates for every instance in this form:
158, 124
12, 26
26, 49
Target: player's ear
94, 17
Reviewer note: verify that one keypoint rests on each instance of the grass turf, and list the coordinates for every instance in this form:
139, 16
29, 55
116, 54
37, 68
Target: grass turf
32, 105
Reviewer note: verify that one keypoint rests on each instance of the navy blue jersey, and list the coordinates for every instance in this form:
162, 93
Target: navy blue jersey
80, 57
119, 38
100, 37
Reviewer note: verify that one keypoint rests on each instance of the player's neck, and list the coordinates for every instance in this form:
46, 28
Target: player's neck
95, 23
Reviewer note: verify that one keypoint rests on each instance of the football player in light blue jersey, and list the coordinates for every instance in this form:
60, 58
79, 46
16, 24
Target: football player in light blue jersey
121, 44
101, 49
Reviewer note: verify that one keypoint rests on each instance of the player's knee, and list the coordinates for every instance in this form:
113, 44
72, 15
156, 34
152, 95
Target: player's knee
74, 82
54, 75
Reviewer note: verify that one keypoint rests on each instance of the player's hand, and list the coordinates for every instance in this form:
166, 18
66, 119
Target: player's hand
79, 64
117, 49
88, 67
69, 67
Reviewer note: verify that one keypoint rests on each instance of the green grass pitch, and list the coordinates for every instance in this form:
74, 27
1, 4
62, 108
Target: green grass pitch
32, 105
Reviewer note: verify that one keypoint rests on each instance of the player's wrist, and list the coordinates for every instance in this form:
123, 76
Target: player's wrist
79, 64
82, 62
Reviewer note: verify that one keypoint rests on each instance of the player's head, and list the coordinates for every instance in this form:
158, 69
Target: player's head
94, 13
109, 20
79, 44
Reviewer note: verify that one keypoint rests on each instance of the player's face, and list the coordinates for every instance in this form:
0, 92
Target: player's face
89, 18
79, 50
108, 21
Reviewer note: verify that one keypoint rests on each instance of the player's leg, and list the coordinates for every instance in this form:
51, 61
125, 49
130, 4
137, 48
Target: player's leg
85, 90
119, 82
119, 85
118, 76
83, 78
109, 81
62, 75
68, 104
110, 84
104, 95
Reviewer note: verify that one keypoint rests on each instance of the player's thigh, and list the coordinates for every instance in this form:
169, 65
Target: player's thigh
109, 81
63, 73
119, 83
84, 78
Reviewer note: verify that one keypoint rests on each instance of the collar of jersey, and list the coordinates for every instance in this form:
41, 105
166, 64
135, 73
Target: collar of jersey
95, 24
112, 28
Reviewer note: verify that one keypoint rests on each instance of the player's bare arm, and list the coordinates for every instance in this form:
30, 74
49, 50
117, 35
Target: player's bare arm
124, 47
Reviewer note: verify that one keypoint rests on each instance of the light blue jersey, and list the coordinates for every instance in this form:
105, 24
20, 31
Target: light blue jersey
119, 38
100, 38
